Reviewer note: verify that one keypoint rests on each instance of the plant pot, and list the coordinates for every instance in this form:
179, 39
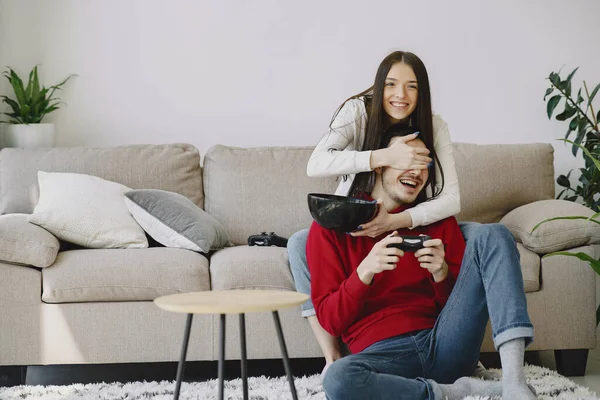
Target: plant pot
28, 136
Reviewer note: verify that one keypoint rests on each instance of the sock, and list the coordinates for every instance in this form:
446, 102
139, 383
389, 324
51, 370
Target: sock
514, 385
466, 386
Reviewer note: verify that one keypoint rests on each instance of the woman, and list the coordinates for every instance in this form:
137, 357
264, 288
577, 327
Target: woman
400, 93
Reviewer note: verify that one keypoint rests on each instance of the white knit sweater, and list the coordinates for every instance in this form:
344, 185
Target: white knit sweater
339, 153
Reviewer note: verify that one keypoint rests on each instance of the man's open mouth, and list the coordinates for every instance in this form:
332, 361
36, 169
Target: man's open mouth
409, 183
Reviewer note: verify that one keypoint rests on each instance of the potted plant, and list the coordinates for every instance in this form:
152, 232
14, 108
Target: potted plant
31, 104
582, 120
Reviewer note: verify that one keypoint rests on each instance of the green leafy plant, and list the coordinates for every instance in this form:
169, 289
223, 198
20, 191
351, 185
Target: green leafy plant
32, 102
595, 264
582, 120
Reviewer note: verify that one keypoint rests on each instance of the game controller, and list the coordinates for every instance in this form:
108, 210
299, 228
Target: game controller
267, 239
410, 243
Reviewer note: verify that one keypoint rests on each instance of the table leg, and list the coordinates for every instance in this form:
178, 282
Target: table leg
284, 354
221, 356
244, 360
181, 366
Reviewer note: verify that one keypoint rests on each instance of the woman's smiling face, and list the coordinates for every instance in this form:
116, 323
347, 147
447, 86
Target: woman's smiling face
400, 93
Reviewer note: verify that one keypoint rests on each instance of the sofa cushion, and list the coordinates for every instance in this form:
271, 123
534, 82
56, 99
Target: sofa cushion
251, 190
251, 267
552, 235
79, 276
86, 210
22, 242
497, 178
530, 268
174, 220
172, 167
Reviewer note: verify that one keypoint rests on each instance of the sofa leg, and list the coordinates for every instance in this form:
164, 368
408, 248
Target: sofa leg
13, 375
571, 362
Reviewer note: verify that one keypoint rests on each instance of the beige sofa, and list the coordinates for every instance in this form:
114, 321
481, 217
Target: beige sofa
95, 306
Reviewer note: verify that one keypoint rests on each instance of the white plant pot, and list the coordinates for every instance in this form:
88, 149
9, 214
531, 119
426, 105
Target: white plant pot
28, 136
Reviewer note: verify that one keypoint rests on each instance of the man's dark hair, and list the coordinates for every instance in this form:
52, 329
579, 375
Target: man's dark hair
398, 129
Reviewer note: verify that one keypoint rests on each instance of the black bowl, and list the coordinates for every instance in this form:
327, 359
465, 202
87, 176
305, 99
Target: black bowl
341, 213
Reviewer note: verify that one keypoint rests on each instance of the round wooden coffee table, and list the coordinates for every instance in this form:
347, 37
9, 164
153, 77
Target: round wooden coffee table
224, 302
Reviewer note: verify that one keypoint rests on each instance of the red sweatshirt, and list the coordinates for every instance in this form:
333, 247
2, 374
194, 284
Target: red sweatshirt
399, 301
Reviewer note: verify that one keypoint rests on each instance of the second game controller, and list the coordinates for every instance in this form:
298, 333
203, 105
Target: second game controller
267, 239
410, 243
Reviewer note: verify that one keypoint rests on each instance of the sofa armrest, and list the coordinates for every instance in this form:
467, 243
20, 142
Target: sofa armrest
553, 235
22, 242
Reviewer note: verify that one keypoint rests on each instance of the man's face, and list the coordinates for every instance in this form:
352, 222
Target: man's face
403, 187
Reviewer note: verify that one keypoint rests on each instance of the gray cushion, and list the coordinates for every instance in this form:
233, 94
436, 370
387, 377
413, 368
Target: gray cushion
172, 167
80, 276
175, 221
552, 235
22, 242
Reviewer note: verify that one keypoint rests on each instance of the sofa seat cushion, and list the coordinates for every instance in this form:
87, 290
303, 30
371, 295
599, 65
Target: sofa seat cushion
251, 267
530, 267
255, 267
88, 275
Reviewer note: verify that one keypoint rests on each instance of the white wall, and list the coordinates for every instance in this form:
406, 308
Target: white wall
272, 73
269, 72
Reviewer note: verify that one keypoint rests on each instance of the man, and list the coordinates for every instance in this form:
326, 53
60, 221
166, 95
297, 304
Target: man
415, 321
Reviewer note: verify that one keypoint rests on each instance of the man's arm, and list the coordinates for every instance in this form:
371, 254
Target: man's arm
337, 296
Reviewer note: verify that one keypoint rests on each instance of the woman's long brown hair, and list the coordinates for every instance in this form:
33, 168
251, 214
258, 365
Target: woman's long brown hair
378, 120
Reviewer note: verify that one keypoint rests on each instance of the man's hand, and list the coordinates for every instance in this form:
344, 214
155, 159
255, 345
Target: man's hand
380, 258
432, 259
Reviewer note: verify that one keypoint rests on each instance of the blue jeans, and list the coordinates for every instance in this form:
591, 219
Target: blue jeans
296, 248
489, 286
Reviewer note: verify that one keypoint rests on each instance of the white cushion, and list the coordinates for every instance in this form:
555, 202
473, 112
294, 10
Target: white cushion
86, 210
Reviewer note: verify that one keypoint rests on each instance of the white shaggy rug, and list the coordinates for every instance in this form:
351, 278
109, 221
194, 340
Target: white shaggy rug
548, 384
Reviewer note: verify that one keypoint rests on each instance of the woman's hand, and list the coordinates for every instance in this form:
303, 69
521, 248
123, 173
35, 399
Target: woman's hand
380, 258
383, 222
399, 155
432, 259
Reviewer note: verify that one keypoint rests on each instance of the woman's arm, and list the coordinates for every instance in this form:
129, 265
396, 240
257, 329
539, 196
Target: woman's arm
447, 204
336, 153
